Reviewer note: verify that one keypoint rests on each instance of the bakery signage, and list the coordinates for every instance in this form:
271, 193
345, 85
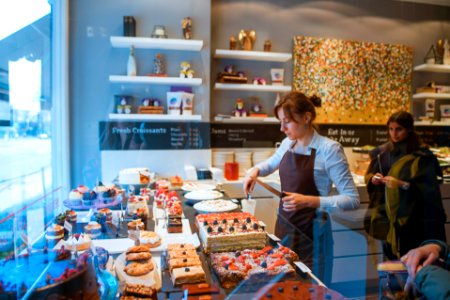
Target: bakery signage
245, 135
267, 135
153, 136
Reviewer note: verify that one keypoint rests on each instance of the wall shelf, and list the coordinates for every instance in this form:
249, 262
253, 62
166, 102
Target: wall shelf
155, 80
437, 68
232, 119
154, 43
428, 123
153, 117
253, 55
252, 87
431, 96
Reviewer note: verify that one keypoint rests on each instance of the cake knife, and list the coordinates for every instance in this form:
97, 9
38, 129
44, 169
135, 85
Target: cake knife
304, 268
270, 188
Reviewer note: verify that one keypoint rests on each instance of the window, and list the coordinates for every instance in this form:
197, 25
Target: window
30, 58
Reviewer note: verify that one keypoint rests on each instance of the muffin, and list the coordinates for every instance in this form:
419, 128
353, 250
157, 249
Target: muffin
75, 197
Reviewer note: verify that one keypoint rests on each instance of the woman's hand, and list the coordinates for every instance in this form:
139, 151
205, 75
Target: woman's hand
294, 201
392, 182
377, 179
250, 180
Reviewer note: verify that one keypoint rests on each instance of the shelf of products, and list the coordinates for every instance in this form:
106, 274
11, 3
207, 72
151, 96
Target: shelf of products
232, 119
153, 117
253, 55
437, 68
434, 123
431, 96
156, 43
155, 80
252, 87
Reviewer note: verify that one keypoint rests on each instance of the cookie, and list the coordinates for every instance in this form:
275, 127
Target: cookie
139, 290
139, 256
137, 249
139, 269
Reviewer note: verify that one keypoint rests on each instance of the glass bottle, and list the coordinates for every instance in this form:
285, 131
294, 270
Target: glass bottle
131, 67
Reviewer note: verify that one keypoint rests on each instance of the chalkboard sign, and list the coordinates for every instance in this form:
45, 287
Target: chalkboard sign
200, 135
245, 135
267, 135
154, 136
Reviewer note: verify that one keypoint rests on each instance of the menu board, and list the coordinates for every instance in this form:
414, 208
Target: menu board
267, 135
154, 136
245, 135
200, 135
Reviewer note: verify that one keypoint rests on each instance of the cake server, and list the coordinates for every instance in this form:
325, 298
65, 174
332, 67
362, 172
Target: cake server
304, 268
270, 188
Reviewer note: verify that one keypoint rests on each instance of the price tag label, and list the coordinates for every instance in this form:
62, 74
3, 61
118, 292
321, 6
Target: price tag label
273, 237
68, 227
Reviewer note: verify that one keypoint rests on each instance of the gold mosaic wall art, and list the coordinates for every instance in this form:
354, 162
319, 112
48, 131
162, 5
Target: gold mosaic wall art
359, 82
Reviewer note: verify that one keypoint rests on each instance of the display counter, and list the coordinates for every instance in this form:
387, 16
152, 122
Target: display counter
114, 238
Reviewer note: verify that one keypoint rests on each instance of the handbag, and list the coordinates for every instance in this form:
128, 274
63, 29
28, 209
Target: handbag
376, 222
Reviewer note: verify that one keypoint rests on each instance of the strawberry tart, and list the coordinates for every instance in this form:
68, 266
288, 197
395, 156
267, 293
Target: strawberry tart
255, 266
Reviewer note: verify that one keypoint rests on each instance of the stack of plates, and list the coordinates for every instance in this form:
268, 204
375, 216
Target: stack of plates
259, 156
221, 157
244, 159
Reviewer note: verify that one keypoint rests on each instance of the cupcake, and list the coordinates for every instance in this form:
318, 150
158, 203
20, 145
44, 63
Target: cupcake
75, 197
136, 225
108, 195
89, 198
100, 189
93, 229
82, 189
54, 234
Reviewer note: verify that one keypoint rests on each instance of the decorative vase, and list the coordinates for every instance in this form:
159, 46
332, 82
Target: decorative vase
446, 56
131, 67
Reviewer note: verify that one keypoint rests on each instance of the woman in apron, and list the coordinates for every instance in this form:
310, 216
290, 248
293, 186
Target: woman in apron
308, 165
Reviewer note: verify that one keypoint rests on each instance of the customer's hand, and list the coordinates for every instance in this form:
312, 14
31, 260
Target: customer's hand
377, 179
392, 182
250, 180
417, 258
294, 201
420, 257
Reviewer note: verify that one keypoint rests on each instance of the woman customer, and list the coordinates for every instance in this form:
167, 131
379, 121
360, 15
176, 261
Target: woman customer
404, 190
308, 165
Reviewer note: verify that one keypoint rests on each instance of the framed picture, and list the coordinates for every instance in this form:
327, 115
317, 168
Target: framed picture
358, 82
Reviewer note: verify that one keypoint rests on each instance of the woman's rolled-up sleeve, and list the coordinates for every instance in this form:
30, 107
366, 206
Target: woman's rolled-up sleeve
336, 166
